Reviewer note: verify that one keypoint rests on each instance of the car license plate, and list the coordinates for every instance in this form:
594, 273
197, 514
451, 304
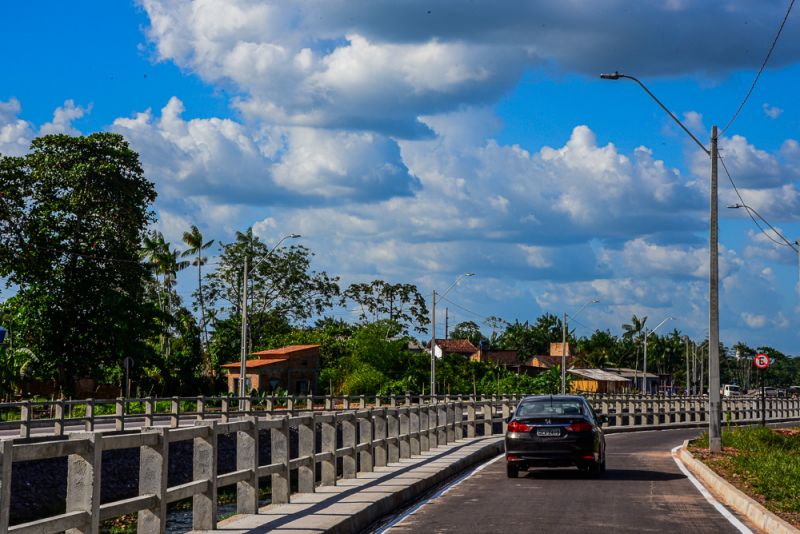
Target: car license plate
548, 432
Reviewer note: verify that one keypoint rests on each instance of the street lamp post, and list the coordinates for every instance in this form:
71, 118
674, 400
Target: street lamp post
644, 368
433, 329
714, 405
243, 362
564, 345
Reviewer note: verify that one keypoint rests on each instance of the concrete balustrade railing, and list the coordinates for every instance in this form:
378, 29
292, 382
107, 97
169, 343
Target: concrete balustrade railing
362, 438
623, 410
343, 436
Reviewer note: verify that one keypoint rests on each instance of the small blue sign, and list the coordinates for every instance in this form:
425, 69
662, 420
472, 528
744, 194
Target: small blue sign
2, 334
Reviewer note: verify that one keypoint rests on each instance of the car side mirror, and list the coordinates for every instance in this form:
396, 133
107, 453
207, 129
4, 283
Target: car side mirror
604, 419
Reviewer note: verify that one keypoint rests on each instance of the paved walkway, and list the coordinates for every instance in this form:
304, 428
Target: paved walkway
354, 504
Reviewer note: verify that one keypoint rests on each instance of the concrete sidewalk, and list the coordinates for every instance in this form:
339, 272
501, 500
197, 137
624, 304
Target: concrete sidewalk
354, 504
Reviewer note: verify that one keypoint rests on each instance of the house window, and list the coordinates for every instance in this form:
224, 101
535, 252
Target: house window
301, 387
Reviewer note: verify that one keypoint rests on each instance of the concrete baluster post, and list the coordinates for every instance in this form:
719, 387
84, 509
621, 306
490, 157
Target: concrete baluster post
381, 445
83, 482
247, 458
225, 409
393, 435
346, 403
119, 414
204, 467
414, 433
6, 461
441, 423
25, 420
201, 408
328, 465
270, 403
408, 400
149, 409
393, 401
433, 423
488, 413
153, 469
366, 455
175, 413
458, 416
89, 422
450, 421
279, 446
471, 418
328, 402
309, 403
307, 441
58, 425
424, 425
506, 414
362, 402
404, 423
349, 441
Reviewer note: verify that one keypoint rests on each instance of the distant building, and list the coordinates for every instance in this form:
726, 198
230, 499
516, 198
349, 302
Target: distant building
637, 379
546, 362
294, 368
597, 381
463, 347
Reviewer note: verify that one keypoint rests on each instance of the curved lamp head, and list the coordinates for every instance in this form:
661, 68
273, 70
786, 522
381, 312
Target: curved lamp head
615, 76
294, 236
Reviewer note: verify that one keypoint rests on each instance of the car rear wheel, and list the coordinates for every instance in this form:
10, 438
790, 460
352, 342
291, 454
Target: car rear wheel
512, 471
597, 468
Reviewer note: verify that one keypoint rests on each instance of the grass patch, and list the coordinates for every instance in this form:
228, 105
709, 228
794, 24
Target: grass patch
763, 462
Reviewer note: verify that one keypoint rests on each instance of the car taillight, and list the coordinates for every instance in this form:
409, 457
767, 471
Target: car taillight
516, 426
581, 426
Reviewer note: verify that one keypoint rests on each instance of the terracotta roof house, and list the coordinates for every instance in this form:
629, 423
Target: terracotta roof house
294, 368
454, 346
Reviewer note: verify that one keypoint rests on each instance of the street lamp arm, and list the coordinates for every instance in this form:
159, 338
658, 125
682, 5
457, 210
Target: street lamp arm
454, 284
268, 254
617, 76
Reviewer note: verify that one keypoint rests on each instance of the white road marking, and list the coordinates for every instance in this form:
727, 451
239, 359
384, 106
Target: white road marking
741, 527
438, 494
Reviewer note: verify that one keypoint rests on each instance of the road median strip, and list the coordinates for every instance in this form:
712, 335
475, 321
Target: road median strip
726, 492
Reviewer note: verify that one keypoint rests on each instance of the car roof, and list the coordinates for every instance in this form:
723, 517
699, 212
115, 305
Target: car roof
552, 397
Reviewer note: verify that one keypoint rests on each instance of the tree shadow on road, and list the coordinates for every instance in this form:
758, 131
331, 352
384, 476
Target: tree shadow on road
610, 474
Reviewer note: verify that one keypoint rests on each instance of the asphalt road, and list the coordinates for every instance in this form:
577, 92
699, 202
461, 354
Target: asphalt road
643, 490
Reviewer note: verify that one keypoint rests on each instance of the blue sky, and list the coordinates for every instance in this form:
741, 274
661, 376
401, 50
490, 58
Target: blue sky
413, 141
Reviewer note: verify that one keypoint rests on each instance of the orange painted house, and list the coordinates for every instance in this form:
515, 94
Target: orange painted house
294, 368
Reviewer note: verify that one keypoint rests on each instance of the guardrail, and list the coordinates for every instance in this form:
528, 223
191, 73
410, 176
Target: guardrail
623, 410
349, 442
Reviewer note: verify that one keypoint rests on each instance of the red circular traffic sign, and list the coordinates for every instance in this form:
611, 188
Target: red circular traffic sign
761, 361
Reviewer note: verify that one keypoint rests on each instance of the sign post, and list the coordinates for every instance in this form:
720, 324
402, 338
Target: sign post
761, 361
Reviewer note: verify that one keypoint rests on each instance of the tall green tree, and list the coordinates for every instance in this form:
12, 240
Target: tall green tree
282, 288
398, 303
73, 212
468, 330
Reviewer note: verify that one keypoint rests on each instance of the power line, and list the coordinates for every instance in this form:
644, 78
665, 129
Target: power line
462, 308
763, 65
748, 209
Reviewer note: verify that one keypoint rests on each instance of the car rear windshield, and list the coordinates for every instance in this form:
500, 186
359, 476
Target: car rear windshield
546, 407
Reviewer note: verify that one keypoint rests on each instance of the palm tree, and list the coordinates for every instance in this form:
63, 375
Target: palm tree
194, 239
632, 332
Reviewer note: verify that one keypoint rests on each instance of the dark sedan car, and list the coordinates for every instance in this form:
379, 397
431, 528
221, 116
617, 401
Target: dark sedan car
555, 431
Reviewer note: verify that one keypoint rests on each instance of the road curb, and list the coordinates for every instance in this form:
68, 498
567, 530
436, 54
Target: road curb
757, 514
